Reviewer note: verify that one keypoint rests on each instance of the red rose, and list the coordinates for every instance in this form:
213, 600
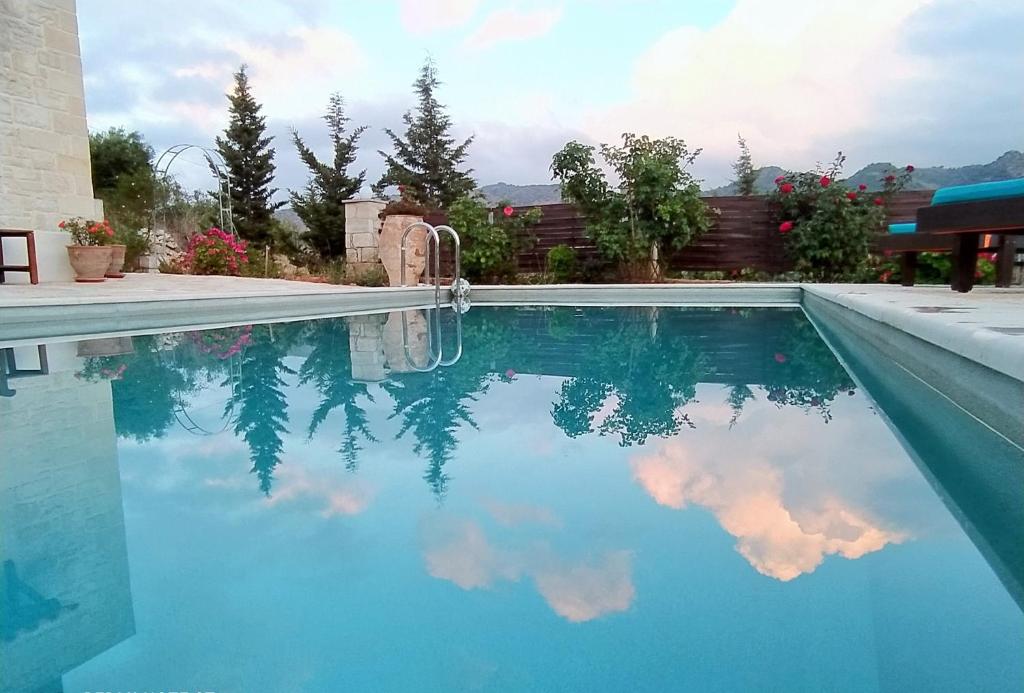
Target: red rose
786, 188
862, 187
780, 358
890, 178
825, 181
508, 211
851, 196
61, 225
785, 227
779, 179
910, 168
879, 201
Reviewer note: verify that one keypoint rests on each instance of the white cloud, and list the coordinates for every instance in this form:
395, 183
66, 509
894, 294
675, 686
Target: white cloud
458, 550
506, 25
427, 16
794, 77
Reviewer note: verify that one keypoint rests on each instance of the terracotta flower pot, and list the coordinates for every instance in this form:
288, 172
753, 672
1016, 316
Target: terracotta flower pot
390, 249
114, 271
90, 262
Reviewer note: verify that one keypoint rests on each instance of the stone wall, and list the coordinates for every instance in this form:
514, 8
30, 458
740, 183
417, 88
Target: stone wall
44, 143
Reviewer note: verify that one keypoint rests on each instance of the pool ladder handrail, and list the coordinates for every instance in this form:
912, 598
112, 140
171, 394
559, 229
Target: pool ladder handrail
432, 235
434, 337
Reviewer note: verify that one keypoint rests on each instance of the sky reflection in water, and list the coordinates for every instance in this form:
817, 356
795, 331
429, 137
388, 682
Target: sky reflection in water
589, 498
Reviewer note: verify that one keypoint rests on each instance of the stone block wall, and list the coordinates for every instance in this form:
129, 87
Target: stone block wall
362, 232
45, 174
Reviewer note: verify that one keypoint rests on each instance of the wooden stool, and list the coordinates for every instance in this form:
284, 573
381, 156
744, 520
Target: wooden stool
30, 241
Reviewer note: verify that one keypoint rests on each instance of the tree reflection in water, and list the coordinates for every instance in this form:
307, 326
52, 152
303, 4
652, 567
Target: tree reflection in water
329, 368
627, 373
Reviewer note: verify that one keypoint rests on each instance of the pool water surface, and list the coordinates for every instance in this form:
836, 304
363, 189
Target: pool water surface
635, 498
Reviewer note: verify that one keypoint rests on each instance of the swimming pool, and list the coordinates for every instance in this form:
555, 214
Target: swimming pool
627, 498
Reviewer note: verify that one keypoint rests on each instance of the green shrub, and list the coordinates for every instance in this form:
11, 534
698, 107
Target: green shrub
656, 205
491, 241
561, 263
369, 276
828, 226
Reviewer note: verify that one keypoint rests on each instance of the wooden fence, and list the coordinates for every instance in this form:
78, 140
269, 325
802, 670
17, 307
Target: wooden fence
744, 235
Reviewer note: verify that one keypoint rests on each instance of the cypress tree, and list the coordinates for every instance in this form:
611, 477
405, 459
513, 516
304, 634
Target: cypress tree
321, 207
746, 176
426, 161
250, 160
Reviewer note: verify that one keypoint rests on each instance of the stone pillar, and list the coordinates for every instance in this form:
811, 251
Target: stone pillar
362, 230
366, 347
45, 174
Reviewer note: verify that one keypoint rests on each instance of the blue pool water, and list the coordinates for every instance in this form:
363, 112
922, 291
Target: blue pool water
634, 499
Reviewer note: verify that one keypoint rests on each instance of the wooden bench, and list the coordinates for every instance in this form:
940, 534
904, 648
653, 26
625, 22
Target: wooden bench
965, 222
955, 221
30, 241
909, 245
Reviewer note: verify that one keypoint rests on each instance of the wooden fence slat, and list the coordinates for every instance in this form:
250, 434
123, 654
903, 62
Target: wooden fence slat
743, 235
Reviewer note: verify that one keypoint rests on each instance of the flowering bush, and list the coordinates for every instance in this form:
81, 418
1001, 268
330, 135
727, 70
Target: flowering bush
87, 231
224, 343
214, 252
828, 227
490, 243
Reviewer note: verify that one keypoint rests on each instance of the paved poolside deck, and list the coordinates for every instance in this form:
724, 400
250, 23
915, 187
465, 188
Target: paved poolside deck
985, 325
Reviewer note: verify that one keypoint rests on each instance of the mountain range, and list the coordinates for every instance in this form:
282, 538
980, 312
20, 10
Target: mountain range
1009, 165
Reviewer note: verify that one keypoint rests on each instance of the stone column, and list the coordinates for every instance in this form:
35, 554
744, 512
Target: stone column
362, 230
45, 174
366, 347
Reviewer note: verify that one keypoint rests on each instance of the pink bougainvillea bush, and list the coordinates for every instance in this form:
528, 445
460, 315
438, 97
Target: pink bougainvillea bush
214, 252
828, 227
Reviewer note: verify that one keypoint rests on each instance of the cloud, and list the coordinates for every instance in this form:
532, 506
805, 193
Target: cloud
295, 484
457, 550
507, 25
427, 16
793, 77
777, 537
585, 591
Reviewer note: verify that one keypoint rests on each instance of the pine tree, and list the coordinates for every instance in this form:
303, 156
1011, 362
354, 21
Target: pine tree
321, 207
426, 161
250, 161
746, 176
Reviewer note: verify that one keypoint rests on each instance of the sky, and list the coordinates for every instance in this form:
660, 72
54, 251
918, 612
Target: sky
928, 82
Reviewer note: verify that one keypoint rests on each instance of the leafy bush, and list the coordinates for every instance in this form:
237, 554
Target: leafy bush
491, 242
561, 263
828, 226
370, 276
655, 206
933, 268
135, 243
214, 252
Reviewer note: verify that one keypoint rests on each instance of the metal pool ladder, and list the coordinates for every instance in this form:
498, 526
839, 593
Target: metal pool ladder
459, 288
459, 295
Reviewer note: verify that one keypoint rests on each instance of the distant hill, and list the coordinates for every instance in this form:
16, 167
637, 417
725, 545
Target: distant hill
521, 194
290, 218
1009, 165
